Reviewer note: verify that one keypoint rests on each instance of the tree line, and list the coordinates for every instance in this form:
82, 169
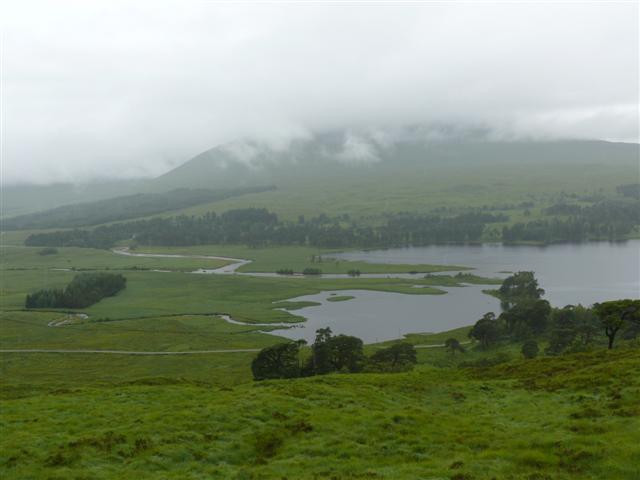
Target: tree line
84, 290
259, 227
605, 220
526, 317
328, 354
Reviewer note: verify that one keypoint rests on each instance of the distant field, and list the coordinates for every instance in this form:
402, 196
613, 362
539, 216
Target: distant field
272, 259
16, 257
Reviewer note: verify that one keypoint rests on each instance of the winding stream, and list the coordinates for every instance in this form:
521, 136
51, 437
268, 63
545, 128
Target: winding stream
570, 273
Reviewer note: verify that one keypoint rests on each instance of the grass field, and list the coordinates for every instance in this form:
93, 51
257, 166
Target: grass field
504, 422
113, 416
24, 258
297, 258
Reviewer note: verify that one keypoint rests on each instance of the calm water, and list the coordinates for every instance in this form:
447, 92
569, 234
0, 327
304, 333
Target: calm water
570, 274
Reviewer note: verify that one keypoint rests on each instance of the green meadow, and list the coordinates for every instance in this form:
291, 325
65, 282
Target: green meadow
516, 422
200, 415
297, 258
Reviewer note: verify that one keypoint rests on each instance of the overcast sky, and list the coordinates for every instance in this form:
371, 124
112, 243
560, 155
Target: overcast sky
109, 89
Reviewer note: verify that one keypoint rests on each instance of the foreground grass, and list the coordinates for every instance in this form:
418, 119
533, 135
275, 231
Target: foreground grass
503, 422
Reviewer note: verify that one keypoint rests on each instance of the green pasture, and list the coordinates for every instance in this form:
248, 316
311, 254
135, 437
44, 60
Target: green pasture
516, 422
297, 258
24, 258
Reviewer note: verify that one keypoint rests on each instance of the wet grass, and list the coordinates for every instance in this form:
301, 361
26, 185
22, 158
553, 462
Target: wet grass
430, 423
296, 258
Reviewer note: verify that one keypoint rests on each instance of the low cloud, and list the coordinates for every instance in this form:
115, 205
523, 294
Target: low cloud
121, 89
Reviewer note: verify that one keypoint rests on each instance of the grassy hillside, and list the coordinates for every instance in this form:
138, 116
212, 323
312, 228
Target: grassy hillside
505, 422
415, 177
121, 208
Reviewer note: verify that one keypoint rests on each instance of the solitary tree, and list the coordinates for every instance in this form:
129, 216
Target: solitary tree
453, 345
614, 314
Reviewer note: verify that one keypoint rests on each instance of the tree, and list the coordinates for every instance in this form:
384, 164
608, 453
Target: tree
486, 330
530, 349
614, 314
453, 345
335, 353
277, 361
572, 329
519, 286
527, 317
346, 353
399, 356
320, 361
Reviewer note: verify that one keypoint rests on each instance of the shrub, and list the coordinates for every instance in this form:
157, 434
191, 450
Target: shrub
530, 349
311, 271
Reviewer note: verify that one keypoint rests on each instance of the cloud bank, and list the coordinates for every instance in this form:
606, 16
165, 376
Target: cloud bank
109, 89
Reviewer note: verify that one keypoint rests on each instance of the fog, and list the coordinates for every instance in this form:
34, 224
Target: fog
116, 89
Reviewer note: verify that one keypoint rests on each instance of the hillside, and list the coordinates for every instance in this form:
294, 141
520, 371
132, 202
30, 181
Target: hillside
122, 208
364, 178
569, 417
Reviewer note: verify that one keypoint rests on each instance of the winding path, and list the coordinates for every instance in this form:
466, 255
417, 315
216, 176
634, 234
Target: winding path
127, 352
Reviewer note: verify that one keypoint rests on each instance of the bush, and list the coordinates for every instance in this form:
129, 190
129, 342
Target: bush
48, 251
398, 357
277, 361
530, 349
312, 271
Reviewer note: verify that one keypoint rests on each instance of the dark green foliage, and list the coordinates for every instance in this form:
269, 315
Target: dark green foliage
530, 349
609, 219
284, 271
48, 251
346, 353
354, 273
311, 271
277, 361
398, 357
259, 227
84, 290
123, 208
488, 330
335, 353
614, 316
572, 328
453, 345
527, 318
520, 286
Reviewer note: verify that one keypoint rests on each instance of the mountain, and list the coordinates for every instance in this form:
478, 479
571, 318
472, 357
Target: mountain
342, 153
368, 173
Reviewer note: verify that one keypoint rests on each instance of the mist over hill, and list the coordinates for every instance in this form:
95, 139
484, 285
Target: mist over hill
342, 158
341, 153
